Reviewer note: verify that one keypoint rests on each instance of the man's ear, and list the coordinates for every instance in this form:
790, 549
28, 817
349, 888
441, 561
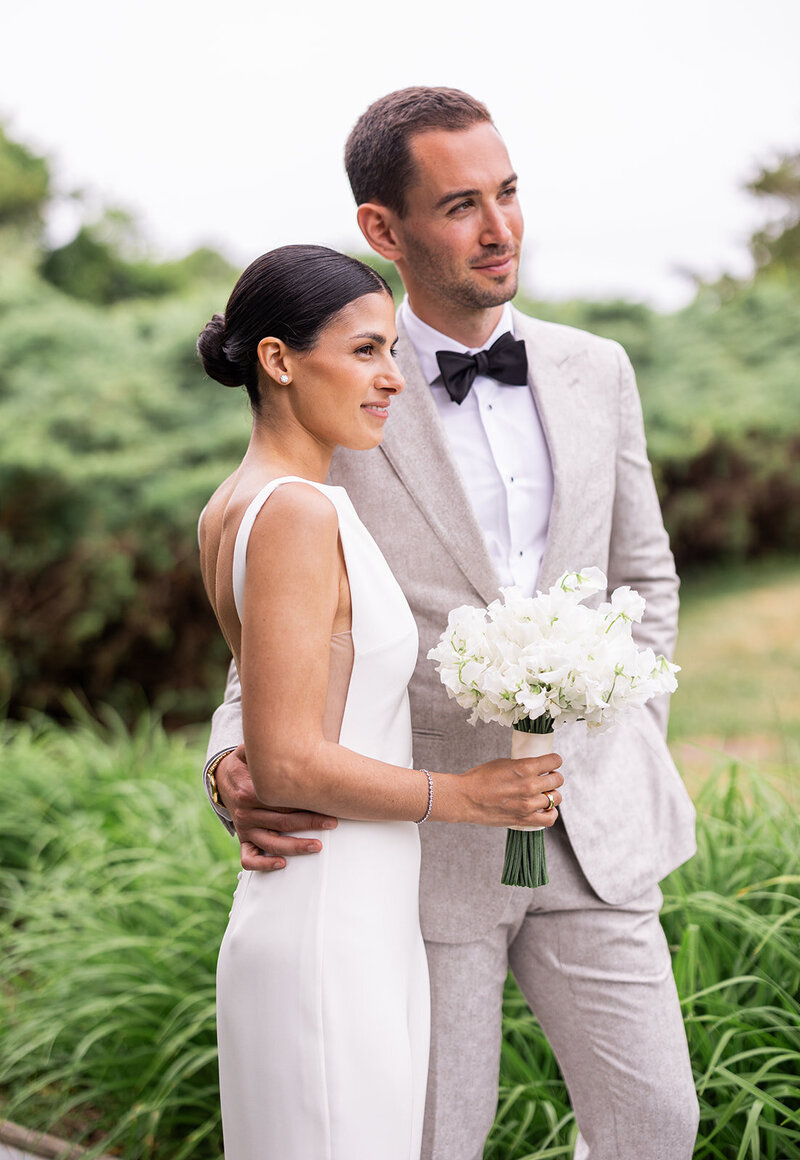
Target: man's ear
377, 224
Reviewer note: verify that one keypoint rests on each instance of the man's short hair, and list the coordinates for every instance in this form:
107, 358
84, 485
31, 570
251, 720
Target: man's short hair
377, 155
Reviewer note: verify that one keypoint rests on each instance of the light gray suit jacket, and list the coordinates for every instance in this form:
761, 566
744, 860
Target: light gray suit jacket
625, 808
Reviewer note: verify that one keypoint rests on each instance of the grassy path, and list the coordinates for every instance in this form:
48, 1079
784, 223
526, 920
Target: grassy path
739, 693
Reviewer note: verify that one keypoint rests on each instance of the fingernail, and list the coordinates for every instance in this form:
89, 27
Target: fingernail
329, 825
312, 847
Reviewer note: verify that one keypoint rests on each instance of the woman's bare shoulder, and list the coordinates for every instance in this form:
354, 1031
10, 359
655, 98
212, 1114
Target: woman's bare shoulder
296, 514
295, 507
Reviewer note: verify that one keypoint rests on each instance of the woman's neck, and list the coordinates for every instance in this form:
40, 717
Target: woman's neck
287, 451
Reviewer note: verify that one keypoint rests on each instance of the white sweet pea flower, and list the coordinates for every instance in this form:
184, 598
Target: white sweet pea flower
584, 583
664, 675
626, 606
526, 656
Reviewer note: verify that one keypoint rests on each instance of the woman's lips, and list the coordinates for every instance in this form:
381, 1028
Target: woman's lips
379, 410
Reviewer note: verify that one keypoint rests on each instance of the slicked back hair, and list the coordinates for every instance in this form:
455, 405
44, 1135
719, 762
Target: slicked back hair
378, 156
291, 293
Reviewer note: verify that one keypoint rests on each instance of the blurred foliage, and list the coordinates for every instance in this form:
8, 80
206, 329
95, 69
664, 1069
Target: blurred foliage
112, 439
777, 245
720, 386
24, 184
94, 265
387, 271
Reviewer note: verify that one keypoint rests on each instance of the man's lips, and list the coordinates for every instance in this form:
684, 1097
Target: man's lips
496, 265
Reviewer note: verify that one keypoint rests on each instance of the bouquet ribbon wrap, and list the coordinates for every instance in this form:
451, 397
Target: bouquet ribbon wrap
530, 745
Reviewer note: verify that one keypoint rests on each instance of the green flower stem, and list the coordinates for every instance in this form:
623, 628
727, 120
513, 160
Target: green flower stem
525, 863
543, 724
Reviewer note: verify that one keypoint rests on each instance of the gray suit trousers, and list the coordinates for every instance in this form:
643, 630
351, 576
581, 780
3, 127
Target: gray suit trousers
599, 980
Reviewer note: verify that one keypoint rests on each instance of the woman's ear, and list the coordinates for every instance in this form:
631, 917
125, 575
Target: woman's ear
377, 224
271, 354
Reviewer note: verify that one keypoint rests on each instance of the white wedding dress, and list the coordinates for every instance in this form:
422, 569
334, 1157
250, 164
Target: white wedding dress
322, 981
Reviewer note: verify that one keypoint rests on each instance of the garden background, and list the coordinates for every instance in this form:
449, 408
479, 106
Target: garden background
115, 878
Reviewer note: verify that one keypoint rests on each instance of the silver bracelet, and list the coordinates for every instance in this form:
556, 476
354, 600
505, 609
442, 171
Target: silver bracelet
427, 813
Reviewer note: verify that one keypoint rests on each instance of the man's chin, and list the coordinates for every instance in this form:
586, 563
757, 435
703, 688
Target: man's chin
498, 292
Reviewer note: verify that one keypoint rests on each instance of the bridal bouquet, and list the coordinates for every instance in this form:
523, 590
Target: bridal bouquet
538, 662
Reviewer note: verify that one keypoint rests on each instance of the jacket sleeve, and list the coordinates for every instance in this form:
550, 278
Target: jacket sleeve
226, 734
639, 550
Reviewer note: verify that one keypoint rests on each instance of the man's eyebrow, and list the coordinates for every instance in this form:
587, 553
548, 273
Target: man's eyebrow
458, 194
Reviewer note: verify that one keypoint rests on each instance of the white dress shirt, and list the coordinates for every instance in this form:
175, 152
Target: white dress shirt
500, 450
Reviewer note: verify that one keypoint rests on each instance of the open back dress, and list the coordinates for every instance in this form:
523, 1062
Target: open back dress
322, 983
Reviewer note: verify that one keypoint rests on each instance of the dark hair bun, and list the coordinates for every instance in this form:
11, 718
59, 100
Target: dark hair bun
211, 348
289, 294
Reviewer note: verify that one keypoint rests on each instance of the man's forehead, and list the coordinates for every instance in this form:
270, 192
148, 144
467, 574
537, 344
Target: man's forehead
459, 158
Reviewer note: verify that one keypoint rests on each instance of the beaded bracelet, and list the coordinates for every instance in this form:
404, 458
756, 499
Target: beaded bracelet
427, 813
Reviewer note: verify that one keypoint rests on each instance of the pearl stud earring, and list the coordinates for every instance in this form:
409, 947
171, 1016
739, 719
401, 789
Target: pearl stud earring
284, 378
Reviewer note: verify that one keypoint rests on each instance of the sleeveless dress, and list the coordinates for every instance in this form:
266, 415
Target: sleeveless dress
322, 982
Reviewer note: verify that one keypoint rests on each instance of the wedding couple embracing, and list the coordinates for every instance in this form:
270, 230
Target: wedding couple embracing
400, 465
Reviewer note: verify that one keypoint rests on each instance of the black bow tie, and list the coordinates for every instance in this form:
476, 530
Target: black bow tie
505, 360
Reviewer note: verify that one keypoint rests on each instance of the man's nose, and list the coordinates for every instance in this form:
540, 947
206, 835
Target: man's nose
496, 230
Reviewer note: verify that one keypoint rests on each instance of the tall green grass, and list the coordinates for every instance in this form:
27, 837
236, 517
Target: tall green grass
732, 917
115, 881
115, 886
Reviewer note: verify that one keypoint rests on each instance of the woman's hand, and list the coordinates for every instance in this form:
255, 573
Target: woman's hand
505, 792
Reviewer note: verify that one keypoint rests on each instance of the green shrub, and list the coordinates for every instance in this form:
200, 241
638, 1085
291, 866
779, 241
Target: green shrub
111, 441
720, 386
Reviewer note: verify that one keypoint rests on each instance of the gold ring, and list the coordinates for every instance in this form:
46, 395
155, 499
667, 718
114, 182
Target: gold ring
552, 801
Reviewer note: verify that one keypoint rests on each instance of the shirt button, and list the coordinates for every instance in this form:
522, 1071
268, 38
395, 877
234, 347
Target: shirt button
488, 406
511, 477
520, 553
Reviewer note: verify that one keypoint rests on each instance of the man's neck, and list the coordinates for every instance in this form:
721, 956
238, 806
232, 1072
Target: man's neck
470, 328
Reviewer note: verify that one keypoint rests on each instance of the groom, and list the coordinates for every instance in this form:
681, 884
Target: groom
511, 467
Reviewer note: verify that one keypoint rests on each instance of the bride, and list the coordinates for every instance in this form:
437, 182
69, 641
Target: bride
322, 986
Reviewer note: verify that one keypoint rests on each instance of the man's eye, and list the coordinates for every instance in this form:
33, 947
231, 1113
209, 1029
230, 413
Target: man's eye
460, 206
510, 191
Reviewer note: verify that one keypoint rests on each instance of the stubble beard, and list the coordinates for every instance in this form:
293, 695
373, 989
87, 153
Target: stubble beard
452, 289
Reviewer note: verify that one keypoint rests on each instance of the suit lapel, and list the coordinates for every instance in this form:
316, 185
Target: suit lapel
416, 445
551, 374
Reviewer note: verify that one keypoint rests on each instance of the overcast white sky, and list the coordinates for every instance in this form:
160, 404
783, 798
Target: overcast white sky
632, 123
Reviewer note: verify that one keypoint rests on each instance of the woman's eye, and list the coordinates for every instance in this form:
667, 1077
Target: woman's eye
365, 349
393, 352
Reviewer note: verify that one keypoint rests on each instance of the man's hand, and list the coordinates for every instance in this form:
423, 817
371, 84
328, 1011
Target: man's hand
266, 835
